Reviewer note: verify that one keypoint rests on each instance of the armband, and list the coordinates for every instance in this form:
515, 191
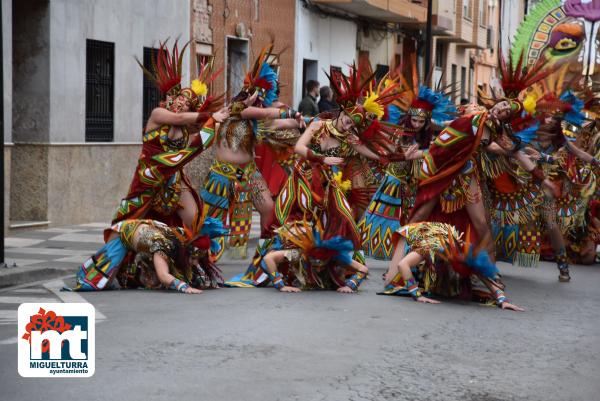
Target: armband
500, 297
276, 278
413, 288
356, 280
287, 113
178, 285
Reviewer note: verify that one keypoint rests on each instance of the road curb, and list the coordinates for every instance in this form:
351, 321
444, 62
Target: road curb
14, 276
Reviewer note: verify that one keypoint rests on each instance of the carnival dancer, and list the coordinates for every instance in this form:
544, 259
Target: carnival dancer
150, 254
554, 148
159, 189
234, 184
449, 182
318, 185
320, 179
415, 112
300, 259
446, 257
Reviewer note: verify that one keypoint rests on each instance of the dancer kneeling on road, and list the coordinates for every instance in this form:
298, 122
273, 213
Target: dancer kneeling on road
302, 257
451, 266
150, 254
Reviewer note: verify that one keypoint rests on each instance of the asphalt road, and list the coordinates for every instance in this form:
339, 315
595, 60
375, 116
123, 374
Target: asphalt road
258, 344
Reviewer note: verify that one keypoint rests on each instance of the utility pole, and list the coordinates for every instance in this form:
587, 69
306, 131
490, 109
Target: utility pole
2, 217
428, 41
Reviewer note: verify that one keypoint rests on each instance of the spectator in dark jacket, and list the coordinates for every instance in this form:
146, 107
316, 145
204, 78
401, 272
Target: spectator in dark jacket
326, 100
308, 105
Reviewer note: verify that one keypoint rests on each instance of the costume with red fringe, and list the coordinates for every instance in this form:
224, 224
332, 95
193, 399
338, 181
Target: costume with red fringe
230, 188
452, 266
574, 177
159, 178
129, 257
330, 189
311, 261
395, 196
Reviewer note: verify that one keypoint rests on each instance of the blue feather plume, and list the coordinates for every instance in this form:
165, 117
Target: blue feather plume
267, 73
342, 246
213, 228
481, 263
528, 134
394, 114
575, 116
443, 108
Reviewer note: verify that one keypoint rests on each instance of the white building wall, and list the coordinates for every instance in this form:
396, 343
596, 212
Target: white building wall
7, 68
331, 41
380, 45
512, 15
131, 25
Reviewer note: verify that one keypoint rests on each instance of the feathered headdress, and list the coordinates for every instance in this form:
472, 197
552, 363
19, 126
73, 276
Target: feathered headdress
262, 78
466, 259
166, 68
200, 86
166, 75
365, 101
419, 100
516, 77
308, 236
554, 97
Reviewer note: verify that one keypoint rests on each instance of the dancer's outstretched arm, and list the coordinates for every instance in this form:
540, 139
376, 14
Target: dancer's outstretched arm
303, 150
167, 279
499, 295
356, 279
269, 263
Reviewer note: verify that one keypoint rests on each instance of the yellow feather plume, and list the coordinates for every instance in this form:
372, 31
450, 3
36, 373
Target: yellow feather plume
345, 185
372, 106
530, 102
199, 88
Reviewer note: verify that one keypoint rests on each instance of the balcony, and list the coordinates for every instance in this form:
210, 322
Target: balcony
396, 11
443, 18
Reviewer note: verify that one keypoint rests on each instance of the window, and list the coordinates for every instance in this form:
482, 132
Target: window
489, 42
381, 70
151, 94
453, 78
99, 91
467, 10
482, 13
439, 53
463, 82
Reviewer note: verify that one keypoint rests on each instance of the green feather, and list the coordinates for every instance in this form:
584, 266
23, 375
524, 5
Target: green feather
524, 36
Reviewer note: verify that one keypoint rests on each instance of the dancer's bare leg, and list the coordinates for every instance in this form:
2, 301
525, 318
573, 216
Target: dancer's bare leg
559, 246
399, 253
263, 202
424, 211
477, 215
189, 208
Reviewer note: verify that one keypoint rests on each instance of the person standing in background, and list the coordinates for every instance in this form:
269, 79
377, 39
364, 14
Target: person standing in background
308, 106
326, 100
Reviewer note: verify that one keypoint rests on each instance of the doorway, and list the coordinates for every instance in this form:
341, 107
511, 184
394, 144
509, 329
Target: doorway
237, 64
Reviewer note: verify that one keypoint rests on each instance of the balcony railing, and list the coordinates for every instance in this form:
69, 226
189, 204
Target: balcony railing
398, 11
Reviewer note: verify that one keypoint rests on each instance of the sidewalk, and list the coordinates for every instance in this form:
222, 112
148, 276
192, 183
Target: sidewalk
55, 252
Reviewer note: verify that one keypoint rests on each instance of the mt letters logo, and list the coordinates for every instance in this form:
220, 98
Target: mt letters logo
56, 339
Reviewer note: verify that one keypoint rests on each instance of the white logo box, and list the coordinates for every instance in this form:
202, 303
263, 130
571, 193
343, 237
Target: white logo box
77, 363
